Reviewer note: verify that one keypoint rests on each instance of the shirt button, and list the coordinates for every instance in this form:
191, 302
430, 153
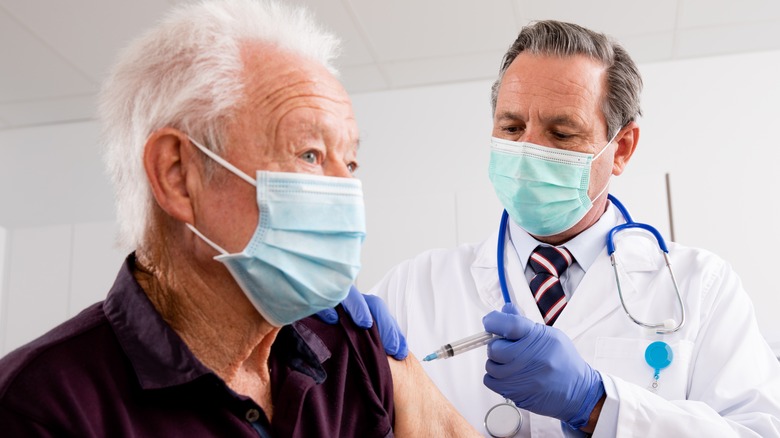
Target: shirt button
252, 415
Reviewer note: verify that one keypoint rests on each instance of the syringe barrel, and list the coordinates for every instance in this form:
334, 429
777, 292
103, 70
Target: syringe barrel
468, 343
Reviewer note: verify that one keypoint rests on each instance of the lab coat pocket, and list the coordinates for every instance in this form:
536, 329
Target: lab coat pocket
625, 358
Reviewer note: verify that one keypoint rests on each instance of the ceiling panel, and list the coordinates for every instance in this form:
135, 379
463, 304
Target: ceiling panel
337, 18
650, 47
360, 78
694, 13
727, 39
56, 52
444, 70
86, 32
48, 111
32, 70
615, 17
411, 29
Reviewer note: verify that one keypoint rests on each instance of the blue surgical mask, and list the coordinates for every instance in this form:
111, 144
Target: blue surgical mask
305, 252
544, 190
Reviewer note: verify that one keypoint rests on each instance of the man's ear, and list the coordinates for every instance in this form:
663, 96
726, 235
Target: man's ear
626, 141
170, 169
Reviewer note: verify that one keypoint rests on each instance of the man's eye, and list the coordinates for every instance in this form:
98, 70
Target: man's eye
561, 135
309, 157
352, 167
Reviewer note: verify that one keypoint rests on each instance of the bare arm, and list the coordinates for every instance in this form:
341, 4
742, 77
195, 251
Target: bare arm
420, 408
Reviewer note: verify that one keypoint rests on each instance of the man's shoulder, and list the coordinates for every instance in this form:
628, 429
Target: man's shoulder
348, 371
64, 347
698, 258
464, 253
343, 337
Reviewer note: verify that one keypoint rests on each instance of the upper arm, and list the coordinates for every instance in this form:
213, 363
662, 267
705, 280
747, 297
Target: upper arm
420, 408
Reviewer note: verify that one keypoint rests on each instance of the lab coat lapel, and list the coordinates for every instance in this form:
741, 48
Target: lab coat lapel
484, 270
597, 295
587, 306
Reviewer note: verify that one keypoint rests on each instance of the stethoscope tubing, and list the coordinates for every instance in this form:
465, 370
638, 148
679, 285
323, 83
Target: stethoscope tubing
660, 328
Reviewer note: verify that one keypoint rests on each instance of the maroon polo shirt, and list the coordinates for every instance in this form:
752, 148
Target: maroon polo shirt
118, 370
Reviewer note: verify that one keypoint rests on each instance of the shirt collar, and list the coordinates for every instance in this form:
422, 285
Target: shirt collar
585, 247
160, 357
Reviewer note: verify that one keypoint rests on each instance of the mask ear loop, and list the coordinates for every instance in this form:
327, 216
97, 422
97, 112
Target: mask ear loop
216, 247
229, 167
598, 155
224, 162
600, 152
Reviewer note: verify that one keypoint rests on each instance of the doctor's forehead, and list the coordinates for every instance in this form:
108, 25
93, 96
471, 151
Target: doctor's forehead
539, 81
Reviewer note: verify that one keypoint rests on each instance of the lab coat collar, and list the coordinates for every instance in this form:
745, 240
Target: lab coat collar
584, 309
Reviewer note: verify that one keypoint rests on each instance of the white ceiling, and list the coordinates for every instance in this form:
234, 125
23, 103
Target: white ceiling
54, 53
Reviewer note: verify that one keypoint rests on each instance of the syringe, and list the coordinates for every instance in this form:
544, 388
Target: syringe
453, 348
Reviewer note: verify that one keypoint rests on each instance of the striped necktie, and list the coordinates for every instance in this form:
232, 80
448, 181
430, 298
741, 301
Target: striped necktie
548, 263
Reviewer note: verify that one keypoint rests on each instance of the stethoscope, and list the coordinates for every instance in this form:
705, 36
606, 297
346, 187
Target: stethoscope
505, 419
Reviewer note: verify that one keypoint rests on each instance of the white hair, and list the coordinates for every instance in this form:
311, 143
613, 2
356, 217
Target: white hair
186, 73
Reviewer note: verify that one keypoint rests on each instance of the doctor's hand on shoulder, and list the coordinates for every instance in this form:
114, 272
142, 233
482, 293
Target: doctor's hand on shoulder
540, 370
364, 310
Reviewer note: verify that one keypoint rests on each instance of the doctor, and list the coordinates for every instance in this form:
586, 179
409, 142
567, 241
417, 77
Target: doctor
565, 110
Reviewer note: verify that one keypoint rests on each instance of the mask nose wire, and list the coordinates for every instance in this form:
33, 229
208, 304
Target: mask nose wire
238, 172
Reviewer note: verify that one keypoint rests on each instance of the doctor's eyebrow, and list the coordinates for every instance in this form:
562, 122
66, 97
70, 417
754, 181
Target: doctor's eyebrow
564, 120
508, 116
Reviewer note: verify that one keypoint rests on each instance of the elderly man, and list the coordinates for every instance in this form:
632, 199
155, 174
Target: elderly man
232, 147
565, 109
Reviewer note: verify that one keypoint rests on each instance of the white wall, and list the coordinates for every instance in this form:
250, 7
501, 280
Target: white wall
55, 271
424, 156
3, 262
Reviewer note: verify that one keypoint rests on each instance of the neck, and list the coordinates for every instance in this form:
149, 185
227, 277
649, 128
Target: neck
207, 309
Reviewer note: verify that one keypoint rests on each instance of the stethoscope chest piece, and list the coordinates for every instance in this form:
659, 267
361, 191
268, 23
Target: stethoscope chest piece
503, 420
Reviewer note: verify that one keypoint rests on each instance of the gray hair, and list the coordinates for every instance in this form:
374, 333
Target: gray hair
186, 73
555, 38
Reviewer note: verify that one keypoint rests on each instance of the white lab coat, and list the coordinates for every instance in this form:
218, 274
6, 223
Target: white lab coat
723, 381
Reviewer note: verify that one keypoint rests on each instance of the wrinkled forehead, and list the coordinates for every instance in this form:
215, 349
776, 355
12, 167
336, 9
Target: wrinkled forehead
280, 85
553, 83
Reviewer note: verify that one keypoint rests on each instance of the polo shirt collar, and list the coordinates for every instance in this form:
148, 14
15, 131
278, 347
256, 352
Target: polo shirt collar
160, 357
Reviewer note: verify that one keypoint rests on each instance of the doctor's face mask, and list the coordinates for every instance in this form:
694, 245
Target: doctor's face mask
305, 251
544, 190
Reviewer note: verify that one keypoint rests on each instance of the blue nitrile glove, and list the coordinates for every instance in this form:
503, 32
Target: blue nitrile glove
355, 306
364, 309
538, 368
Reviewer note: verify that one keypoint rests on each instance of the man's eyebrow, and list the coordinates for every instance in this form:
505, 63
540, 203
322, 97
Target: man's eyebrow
509, 116
563, 120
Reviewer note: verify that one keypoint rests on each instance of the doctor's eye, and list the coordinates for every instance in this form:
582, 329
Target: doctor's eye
352, 167
511, 129
561, 136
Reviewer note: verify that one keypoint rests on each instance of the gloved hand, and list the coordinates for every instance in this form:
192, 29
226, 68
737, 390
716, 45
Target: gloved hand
538, 368
364, 310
